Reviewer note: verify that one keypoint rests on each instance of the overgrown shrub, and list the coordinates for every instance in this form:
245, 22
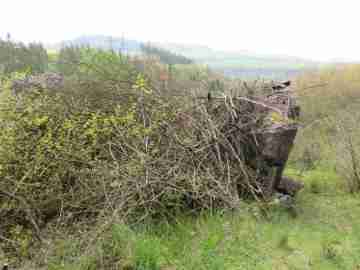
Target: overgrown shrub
111, 143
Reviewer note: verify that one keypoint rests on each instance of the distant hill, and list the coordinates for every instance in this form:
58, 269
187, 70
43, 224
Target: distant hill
242, 64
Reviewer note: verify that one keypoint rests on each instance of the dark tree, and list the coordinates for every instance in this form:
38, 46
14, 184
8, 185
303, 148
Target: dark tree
165, 56
16, 56
68, 60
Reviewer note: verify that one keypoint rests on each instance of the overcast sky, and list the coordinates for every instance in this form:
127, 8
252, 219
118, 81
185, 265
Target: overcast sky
315, 29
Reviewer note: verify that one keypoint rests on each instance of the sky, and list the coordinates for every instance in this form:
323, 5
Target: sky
314, 29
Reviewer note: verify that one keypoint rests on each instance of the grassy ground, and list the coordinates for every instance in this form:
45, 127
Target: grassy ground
324, 233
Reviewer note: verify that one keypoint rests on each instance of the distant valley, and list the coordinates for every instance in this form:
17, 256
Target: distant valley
242, 64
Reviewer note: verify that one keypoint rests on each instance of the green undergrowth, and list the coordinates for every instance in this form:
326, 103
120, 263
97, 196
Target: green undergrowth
324, 234
324, 179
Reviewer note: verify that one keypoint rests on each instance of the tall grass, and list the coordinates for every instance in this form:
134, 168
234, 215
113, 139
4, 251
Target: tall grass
324, 236
329, 137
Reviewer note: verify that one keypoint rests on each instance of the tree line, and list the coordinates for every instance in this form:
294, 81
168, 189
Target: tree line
17, 56
164, 55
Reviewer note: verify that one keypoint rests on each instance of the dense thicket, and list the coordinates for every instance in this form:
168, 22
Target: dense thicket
113, 141
110, 140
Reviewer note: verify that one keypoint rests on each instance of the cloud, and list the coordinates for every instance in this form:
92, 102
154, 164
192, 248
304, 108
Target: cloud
313, 29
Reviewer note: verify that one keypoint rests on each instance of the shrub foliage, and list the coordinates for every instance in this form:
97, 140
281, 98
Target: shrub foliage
109, 142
